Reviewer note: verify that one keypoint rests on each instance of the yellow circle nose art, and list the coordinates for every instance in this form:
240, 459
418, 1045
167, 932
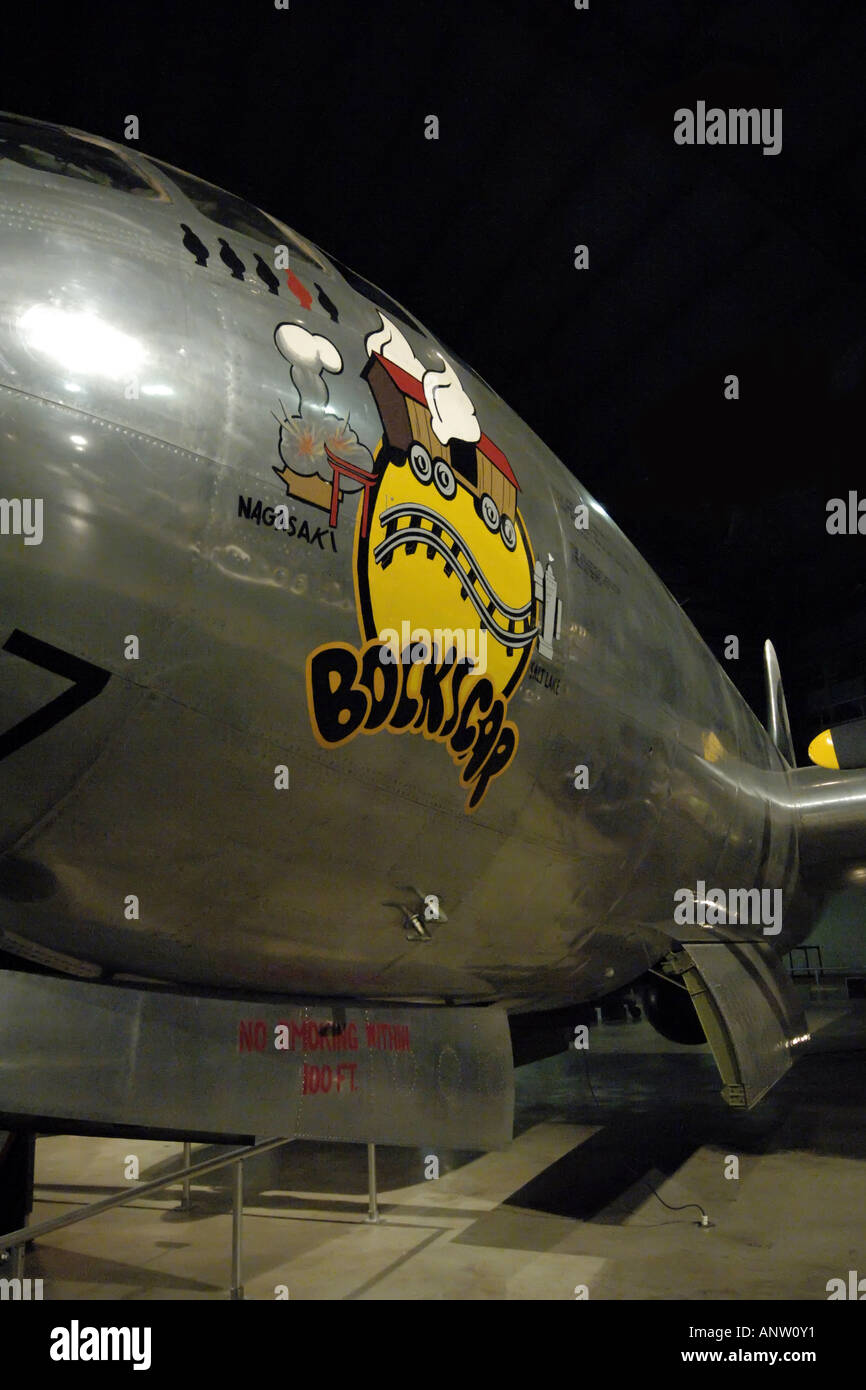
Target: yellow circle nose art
449, 601
444, 566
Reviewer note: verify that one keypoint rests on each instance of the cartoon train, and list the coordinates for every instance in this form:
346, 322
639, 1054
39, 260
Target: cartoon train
482, 467
441, 543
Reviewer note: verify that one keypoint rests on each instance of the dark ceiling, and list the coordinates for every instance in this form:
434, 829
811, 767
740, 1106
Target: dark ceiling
556, 128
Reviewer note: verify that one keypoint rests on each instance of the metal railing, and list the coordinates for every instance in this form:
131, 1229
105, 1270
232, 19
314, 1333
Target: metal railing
13, 1242
808, 967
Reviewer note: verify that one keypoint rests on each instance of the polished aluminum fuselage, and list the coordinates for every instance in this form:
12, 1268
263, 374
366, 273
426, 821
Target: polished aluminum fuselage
163, 787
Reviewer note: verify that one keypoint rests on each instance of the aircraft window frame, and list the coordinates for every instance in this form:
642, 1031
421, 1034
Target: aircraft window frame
261, 226
48, 140
305, 249
379, 297
161, 193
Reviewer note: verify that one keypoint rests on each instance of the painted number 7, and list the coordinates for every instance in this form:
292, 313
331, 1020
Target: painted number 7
87, 681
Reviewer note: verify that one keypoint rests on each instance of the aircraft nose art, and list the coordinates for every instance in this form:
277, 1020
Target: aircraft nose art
456, 553
451, 601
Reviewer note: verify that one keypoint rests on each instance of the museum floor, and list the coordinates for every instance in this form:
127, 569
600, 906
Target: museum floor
567, 1204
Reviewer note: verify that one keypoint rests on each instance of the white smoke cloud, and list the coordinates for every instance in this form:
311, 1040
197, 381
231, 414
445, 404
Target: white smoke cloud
310, 355
307, 349
389, 342
303, 436
452, 412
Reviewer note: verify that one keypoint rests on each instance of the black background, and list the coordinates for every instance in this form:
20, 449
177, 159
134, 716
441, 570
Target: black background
556, 128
